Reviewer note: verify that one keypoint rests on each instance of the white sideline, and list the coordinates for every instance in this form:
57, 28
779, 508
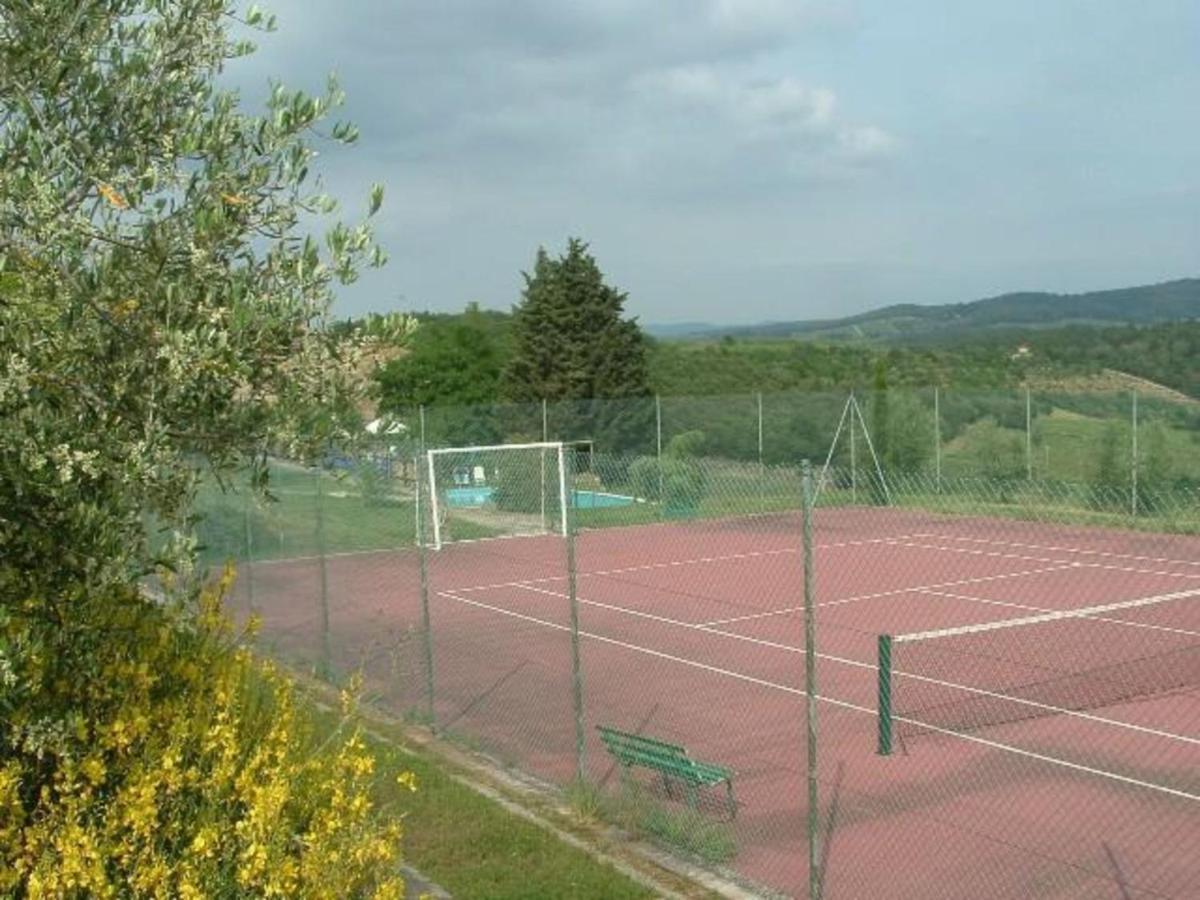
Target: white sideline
1083, 551
1048, 616
891, 592
858, 664
833, 701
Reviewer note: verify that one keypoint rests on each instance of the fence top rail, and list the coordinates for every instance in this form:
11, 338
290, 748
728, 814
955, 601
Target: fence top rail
482, 448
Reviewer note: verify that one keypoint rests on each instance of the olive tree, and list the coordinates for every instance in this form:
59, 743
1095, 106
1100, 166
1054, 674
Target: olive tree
162, 304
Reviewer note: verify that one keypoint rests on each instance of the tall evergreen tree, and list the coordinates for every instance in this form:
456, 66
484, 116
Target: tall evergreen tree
571, 342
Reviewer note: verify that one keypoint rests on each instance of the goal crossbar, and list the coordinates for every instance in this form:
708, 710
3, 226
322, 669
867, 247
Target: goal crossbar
555, 446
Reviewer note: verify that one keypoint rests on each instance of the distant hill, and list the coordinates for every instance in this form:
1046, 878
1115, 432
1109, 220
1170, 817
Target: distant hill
1165, 302
670, 330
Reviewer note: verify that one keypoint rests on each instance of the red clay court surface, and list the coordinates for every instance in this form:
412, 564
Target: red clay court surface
693, 633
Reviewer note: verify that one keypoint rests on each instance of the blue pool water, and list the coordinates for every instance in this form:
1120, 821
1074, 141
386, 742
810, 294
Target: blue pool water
600, 500
466, 497
469, 496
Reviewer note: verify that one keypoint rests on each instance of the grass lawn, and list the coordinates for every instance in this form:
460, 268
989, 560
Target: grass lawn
312, 513
473, 847
469, 844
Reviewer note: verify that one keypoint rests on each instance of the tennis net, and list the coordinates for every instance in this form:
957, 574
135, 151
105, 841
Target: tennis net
1058, 662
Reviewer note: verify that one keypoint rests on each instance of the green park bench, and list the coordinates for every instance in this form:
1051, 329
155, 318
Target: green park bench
670, 760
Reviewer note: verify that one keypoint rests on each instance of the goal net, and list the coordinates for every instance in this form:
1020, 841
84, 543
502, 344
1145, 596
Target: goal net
500, 490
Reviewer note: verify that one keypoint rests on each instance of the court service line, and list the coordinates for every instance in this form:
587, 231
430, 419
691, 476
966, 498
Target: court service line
1048, 616
858, 664
1133, 570
1083, 551
892, 592
667, 564
1043, 609
833, 701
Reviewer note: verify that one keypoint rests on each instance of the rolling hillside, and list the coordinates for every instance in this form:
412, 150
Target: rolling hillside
1148, 304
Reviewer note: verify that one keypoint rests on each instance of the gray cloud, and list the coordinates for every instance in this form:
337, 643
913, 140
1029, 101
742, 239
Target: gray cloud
817, 153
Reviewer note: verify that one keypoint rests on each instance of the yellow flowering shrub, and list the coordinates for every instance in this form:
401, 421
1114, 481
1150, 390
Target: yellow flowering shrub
167, 761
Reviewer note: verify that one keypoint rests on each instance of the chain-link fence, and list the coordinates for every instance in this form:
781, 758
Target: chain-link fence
1005, 614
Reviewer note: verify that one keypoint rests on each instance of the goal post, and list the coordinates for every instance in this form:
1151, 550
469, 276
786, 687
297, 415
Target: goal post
497, 490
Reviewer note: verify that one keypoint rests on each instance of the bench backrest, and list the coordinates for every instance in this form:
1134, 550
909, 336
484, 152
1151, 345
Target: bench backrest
623, 744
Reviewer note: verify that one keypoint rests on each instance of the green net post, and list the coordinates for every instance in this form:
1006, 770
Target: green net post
325, 665
423, 565
810, 686
885, 695
566, 482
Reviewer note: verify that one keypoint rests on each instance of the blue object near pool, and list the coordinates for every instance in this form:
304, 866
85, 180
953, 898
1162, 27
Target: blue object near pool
475, 496
469, 496
600, 500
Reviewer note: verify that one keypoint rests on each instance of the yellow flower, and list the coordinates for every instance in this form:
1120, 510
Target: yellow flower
93, 770
112, 196
407, 780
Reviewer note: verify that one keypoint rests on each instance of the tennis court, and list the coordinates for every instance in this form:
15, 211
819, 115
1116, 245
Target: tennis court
1036, 751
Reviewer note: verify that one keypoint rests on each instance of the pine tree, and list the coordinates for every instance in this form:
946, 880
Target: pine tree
570, 342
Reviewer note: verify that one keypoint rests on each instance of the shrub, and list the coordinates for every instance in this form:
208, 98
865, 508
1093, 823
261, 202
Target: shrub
169, 762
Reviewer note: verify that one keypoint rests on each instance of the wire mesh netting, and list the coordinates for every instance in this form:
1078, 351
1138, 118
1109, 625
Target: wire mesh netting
1005, 590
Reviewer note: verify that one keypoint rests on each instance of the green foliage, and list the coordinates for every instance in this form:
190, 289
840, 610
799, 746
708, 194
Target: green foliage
524, 478
172, 763
686, 445
679, 480
571, 342
694, 832
1000, 454
159, 305
162, 313
452, 361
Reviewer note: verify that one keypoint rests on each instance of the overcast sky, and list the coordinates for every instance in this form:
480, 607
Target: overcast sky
742, 160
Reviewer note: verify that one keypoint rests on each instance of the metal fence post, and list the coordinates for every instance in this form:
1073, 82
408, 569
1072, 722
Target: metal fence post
853, 463
658, 448
426, 618
1133, 462
1028, 436
565, 480
326, 661
248, 528
937, 440
542, 457
760, 433
810, 688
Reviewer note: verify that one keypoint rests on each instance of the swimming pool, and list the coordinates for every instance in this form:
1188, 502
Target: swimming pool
476, 496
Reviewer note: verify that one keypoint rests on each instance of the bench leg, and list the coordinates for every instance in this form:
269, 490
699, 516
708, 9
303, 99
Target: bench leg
732, 802
691, 795
667, 786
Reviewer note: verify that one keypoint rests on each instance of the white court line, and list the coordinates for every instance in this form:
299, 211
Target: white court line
1083, 551
901, 541
833, 701
314, 557
858, 664
1004, 603
892, 592
668, 564
1083, 565
1050, 616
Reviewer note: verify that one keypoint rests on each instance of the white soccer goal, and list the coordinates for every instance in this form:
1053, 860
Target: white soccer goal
497, 490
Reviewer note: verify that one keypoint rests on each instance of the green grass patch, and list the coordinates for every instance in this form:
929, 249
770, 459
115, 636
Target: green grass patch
312, 512
676, 826
473, 847
468, 843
